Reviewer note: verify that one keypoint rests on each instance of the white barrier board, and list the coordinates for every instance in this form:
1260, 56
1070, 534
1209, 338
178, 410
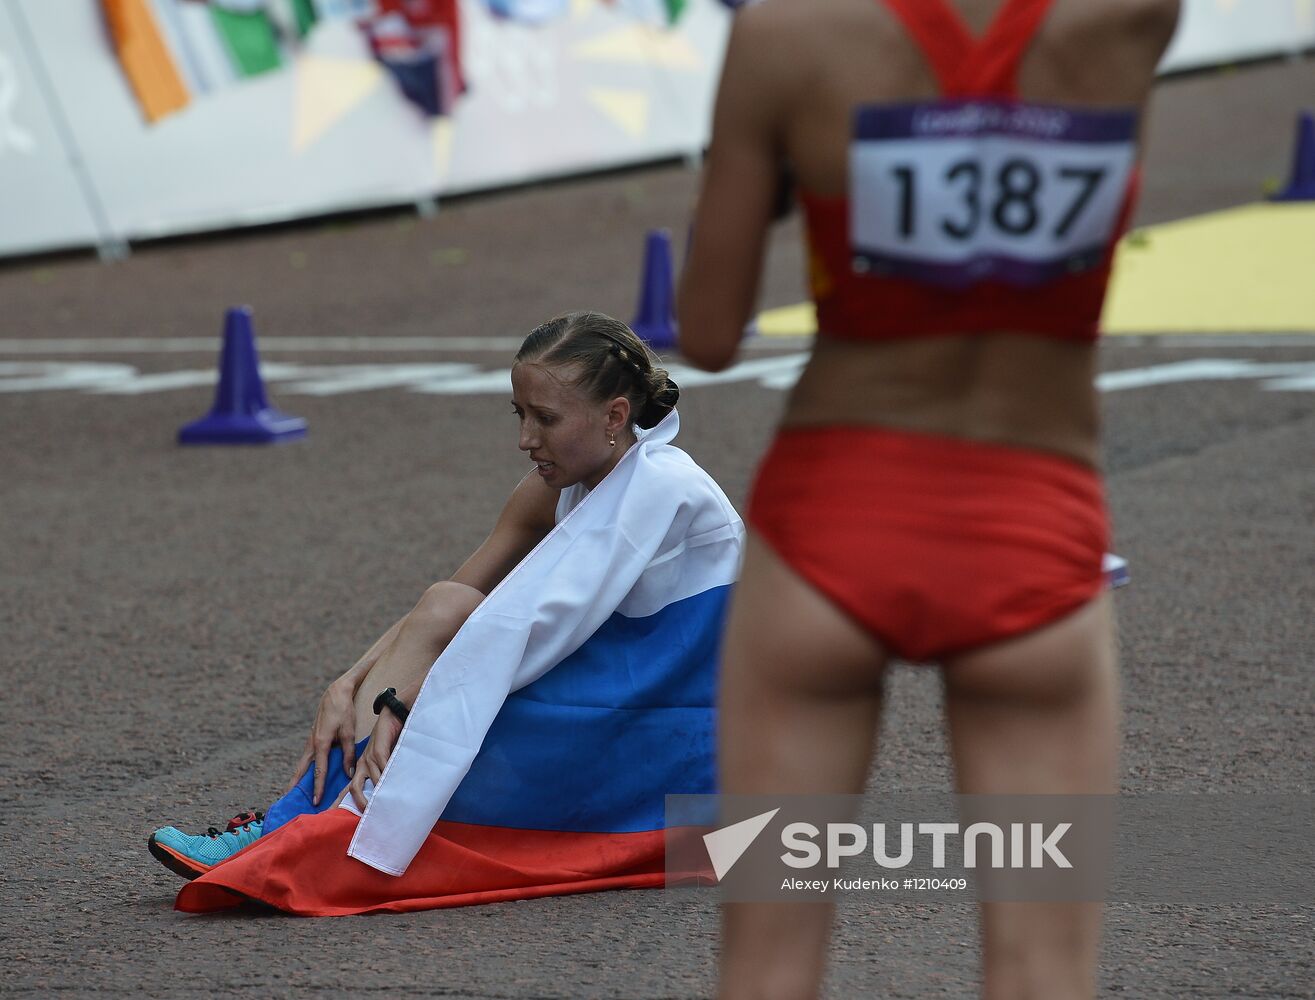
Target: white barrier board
329, 131
42, 203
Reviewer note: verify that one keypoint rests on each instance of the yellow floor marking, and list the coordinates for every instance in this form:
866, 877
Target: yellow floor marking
1248, 269
788, 321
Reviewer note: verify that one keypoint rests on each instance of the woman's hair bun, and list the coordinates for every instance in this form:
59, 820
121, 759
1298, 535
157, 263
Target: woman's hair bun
662, 396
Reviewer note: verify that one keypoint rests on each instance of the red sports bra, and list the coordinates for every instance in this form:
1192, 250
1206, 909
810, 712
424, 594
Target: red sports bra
977, 212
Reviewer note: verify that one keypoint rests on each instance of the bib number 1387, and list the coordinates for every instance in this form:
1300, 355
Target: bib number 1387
1011, 203
962, 209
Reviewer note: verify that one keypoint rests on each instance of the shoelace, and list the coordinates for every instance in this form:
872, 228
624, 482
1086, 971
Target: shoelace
242, 821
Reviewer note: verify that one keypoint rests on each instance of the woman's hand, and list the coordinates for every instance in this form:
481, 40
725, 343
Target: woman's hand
375, 758
335, 722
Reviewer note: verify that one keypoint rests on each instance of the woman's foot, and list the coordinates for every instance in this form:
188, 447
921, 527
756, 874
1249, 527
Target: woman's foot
191, 855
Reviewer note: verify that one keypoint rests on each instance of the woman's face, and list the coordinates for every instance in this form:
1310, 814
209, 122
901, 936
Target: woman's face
564, 432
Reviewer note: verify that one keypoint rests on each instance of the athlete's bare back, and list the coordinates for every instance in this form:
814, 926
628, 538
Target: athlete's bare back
795, 71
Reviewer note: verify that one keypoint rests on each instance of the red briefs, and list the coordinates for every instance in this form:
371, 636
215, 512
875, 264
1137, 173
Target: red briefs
935, 544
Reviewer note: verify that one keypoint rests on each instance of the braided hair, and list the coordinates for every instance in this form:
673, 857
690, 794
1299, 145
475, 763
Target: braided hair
612, 361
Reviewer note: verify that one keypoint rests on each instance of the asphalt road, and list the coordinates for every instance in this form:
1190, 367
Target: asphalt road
170, 615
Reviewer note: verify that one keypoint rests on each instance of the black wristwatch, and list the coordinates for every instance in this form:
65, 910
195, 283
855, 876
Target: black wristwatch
388, 697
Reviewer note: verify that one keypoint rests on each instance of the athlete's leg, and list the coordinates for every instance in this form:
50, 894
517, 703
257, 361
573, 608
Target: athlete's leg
798, 708
1038, 715
425, 633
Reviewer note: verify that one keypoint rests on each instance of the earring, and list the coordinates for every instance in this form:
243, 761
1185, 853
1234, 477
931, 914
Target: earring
611, 439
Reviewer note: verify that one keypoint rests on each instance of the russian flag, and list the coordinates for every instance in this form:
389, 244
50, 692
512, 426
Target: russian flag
539, 752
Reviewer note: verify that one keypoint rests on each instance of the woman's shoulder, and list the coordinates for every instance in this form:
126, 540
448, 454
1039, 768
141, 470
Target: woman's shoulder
769, 56
683, 479
532, 504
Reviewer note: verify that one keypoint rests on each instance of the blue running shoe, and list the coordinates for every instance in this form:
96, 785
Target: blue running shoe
190, 856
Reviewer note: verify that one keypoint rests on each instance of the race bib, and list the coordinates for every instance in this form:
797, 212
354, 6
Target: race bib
958, 192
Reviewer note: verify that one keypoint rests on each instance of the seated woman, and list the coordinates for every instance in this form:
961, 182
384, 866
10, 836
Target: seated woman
521, 726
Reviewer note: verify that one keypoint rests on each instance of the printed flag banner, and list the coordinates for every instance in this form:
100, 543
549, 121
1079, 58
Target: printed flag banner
659, 13
248, 34
336, 9
292, 19
539, 752
151, 71
418, 42
528, 11
198, 44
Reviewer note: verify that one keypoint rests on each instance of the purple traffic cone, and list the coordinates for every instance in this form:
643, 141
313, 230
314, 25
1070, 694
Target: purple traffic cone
1302, 185
241, 413
655, 322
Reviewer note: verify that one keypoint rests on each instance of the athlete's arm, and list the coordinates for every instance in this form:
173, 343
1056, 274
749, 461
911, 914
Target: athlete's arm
741, 181
529, 514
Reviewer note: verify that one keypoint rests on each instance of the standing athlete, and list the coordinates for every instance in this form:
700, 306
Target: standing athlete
965, 169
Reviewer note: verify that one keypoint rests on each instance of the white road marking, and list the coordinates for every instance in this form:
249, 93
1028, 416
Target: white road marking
780, 372
1197, 370
41, 376
163, 381
331, 380
464, 378
210, 345
478, 383
1298, 383
1225, 340
304, 345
